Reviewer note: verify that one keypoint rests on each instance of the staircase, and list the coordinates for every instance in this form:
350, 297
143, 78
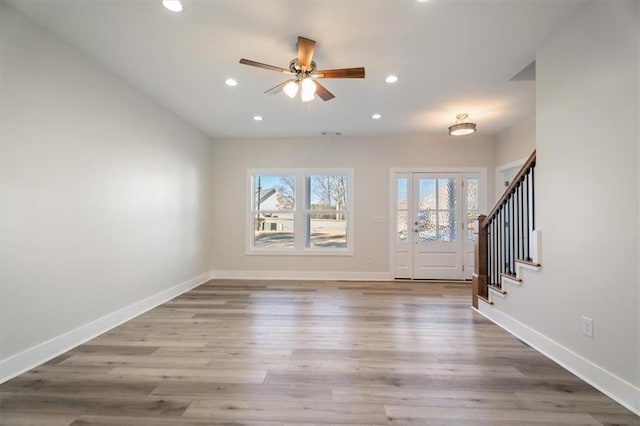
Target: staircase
507, 242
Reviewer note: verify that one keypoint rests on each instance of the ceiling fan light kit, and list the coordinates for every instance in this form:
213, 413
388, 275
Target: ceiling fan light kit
305, 73
291, 89
462, 127
308, 90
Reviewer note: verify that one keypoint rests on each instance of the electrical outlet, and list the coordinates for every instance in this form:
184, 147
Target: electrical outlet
587, 326
370, 259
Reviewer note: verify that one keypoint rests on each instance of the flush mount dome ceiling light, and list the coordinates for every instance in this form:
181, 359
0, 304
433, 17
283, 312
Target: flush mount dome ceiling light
462, 127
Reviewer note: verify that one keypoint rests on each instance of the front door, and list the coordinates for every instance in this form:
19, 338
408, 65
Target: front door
436, 216
433, 225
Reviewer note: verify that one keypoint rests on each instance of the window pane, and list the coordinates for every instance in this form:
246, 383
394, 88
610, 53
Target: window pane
403, 185
328, 229
274, 192
273, 230
447, 226
472, 193
427, 194
446, 194
426, 226
403, 218
472, 215
328, 192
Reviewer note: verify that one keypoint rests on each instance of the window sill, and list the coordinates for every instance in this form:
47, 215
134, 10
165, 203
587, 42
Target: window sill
305, 252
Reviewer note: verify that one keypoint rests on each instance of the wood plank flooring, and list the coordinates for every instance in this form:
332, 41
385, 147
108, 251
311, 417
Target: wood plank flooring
277, 353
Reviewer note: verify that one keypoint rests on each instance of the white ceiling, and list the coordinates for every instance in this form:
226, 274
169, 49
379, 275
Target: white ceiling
451, 56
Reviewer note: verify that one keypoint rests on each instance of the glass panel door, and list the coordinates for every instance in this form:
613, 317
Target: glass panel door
437, 249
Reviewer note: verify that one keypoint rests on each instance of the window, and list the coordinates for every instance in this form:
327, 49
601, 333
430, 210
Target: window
472, 207
402, 208
273, 208
301, 212
437, 210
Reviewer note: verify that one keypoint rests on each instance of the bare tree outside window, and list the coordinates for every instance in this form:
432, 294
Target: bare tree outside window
330, 195
327, 219
286, 192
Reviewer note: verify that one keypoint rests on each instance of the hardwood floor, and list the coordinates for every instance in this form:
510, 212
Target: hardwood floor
307, 353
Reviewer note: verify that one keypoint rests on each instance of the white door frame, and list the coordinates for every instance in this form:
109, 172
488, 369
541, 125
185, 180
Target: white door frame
480, 172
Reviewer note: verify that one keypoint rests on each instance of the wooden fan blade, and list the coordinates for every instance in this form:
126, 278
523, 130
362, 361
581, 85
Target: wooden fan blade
322, 91
265, 66
278, 88
341, 73
305, 52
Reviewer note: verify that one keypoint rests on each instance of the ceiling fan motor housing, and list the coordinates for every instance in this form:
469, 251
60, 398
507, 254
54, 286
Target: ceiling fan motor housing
296, 68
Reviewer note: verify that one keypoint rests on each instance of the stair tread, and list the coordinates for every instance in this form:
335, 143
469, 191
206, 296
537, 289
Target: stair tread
484, 299
498, 289
527, 262
511, 277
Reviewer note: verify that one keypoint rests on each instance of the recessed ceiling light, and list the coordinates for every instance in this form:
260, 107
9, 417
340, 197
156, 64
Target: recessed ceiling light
231, 82
257, 117
172, 5
376, 116
422, 1
391, 78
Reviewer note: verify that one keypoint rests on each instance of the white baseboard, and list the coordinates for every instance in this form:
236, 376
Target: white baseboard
303, 275
606, 382
39, 354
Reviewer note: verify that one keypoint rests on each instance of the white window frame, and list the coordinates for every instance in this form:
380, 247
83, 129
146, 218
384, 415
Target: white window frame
302, 205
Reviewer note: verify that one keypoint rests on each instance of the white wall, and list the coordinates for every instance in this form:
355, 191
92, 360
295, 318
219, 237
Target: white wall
513, 147
516, 142
105, 195
638, 149
370, 157
587, 196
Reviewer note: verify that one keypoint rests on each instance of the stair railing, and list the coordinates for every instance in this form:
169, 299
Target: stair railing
504, 235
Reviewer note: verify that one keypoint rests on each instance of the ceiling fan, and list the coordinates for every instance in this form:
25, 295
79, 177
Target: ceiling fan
305, 74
